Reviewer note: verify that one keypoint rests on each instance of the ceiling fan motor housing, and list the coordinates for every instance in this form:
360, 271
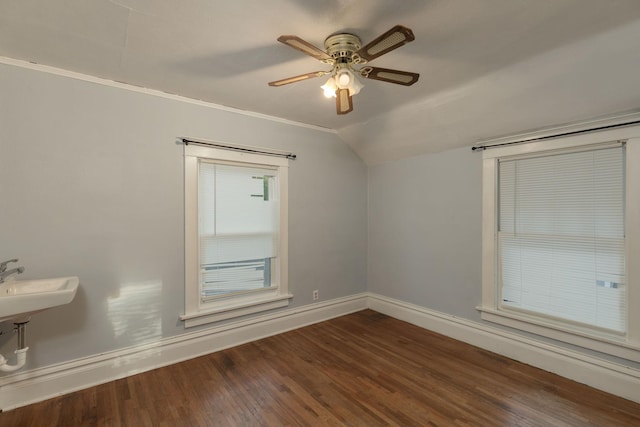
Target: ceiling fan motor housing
341, 47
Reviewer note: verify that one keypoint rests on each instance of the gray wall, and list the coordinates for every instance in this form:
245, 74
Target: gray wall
91, 180
425, 235
425, 231
91, 184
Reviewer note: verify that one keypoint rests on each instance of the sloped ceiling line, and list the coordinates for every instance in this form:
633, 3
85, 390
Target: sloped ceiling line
470, 56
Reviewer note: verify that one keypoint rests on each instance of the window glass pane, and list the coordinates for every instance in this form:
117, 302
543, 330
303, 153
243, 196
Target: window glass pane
561, 236
238, 227
243, 204
222, 278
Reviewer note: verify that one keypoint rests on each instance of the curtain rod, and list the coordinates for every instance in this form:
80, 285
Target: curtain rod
556, 135
187, 141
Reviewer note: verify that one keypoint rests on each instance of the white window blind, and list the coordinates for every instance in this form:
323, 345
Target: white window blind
238, 213
561, 237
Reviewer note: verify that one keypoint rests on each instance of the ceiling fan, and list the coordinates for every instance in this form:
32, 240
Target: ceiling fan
343, 51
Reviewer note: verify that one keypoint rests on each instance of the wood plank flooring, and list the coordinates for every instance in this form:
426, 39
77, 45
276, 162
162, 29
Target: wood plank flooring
364, 369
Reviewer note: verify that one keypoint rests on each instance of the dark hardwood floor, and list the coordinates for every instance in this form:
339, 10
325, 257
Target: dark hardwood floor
364, 369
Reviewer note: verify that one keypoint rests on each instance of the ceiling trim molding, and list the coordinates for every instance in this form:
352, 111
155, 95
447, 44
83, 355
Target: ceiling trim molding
153, 92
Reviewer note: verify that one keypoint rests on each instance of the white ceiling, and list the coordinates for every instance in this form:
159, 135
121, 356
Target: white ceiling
488, 67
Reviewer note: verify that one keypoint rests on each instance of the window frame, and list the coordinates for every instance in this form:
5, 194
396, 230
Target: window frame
196, 311
626, 345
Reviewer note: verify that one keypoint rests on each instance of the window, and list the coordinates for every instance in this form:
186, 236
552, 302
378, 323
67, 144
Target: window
561, 236
235, 234
558, 233
238, 223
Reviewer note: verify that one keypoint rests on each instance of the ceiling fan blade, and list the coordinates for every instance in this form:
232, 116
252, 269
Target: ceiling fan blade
344, 102
299, 78
405, 78
392, 39
305, 47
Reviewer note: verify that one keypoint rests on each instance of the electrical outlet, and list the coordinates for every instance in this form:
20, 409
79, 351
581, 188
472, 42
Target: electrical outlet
315, 295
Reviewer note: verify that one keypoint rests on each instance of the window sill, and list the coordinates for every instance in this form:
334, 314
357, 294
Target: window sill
230, 311
591, 339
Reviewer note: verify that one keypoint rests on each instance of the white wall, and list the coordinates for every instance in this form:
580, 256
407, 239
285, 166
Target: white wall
91, 184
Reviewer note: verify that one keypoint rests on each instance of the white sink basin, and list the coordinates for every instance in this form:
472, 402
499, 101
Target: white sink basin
19, 299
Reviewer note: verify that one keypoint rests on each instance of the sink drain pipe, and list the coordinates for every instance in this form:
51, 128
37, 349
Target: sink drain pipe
21, 352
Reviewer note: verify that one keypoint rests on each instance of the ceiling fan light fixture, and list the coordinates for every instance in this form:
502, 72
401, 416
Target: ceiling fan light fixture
329, 88
355, 87
344, 78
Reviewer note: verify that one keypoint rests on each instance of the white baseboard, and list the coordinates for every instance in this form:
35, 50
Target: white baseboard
39, 384
614, 378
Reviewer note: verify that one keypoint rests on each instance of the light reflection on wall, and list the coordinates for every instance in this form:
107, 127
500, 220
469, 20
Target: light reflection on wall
135, 312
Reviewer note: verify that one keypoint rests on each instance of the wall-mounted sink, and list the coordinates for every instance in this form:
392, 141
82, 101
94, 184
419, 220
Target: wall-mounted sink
19, 299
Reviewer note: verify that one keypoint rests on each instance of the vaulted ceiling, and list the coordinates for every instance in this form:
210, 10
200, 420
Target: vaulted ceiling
487, 68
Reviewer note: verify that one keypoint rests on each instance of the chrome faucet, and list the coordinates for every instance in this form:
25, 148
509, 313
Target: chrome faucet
3, 265
4, 273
